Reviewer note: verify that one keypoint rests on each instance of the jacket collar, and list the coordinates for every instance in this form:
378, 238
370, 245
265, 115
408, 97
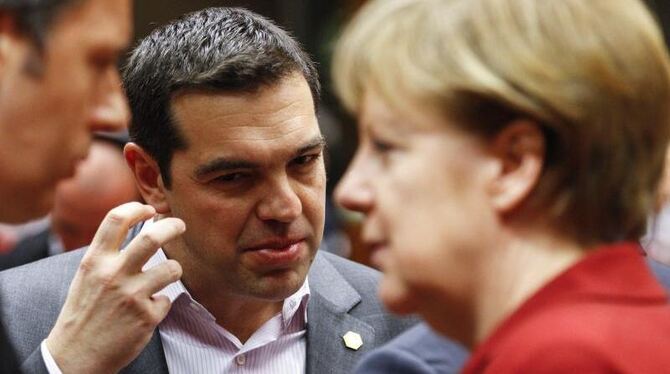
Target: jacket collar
329, 309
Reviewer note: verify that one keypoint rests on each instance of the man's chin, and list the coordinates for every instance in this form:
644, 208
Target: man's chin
279, 285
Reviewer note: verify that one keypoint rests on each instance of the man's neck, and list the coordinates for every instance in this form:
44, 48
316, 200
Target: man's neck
239, 315
242, 318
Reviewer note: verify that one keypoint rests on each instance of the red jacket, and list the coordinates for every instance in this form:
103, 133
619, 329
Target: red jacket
605, 314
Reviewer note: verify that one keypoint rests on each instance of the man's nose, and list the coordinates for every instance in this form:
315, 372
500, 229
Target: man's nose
282, 203
110, 111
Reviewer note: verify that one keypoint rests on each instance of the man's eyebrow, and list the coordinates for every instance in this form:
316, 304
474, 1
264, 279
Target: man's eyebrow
317, 142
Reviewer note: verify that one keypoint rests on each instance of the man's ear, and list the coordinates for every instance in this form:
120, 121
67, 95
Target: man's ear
520, 149
147, 177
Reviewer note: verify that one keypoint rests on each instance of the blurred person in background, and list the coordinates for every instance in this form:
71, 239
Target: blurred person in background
52, 58
59, 83
102, 182
510, 154
10, 234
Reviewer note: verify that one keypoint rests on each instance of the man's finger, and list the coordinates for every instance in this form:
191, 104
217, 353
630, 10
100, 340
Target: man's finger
159, 276
115, 226
145, 244
160, 306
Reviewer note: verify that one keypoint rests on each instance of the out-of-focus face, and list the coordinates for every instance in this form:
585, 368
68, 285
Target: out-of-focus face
47, 116
421, 184
102, 182
251, 189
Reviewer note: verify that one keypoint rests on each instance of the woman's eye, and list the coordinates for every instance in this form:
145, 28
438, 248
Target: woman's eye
381, 146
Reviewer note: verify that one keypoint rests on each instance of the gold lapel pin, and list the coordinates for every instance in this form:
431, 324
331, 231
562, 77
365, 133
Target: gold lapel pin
352, 340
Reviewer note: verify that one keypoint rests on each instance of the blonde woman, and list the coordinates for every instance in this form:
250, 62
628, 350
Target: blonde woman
510, 150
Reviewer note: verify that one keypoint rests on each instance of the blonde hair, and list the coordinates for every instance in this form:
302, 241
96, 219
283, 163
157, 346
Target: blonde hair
594, 74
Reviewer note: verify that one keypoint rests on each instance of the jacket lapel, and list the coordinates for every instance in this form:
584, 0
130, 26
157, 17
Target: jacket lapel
151, 360
328, 319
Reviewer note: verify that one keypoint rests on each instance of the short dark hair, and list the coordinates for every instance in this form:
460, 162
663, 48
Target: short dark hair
117, 139
219, 49
35, 17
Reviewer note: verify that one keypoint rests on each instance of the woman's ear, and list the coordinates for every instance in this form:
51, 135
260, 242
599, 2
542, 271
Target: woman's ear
520, 149
147, 177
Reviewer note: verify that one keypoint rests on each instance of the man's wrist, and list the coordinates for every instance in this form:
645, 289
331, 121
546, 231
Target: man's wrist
49, 361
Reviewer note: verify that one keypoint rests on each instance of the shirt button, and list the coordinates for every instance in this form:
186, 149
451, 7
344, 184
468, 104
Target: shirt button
241, 359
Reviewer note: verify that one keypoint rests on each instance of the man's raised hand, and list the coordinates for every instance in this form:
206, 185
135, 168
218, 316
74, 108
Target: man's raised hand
110, 312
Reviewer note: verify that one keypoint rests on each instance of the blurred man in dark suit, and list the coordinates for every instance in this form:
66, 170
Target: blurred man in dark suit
58, 84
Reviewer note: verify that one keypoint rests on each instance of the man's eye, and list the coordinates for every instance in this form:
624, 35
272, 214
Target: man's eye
232, 177
306, 159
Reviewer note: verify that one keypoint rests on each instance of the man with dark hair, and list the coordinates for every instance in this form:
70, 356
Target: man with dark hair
222, 50
226, 138
59, 83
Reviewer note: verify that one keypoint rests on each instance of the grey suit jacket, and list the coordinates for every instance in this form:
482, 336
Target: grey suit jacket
343, 298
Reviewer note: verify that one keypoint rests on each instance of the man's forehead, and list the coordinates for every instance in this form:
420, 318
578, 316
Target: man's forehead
288, 95
272, 113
